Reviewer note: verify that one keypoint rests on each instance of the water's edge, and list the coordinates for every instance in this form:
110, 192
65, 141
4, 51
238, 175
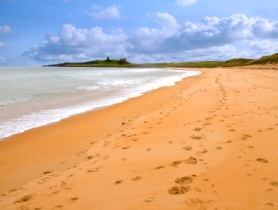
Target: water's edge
62, 113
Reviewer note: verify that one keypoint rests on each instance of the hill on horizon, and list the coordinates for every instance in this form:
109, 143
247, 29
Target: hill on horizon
270, 59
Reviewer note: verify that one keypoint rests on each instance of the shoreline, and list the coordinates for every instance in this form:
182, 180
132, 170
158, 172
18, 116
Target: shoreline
41, 117
10, 142
216, 128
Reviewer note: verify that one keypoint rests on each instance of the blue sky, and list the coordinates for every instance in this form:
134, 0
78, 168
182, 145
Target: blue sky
38, 32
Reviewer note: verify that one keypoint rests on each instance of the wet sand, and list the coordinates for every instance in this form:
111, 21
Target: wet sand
209, 142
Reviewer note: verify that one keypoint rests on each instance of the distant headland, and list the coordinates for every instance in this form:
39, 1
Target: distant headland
271, 59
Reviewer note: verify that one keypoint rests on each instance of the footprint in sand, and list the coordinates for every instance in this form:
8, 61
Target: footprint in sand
177, 162
106, 157
245, 136
137, 178
275, 184
58, 207
66, 186
191, 160
93, 170
187, 148
185, 180
118, 182
24, 199
197, 137
179, 190
269, 204
262, 160
150, 199
207, 123
74, 199
47, 172
127, 147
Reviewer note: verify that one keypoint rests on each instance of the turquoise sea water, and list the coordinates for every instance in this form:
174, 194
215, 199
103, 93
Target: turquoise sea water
35, 96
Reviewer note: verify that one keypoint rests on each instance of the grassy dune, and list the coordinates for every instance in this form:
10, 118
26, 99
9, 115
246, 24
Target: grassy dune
271, 59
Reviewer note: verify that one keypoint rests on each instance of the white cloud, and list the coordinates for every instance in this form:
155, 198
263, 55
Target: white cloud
168, 21
111, 12
212, 38
263, 47
2, 44
75, 44
186, 2
210, 32
148, 40
5, 29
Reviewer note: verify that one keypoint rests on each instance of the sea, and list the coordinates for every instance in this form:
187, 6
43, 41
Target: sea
35, 96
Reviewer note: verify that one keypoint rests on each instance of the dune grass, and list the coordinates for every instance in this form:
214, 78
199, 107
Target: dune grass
271, 59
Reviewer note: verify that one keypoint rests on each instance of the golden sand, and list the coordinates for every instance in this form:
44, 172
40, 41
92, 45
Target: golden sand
209, 142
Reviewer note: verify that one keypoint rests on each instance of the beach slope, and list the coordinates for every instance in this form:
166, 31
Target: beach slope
209, 142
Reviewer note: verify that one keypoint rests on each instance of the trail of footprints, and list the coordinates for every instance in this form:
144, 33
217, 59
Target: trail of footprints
182, 184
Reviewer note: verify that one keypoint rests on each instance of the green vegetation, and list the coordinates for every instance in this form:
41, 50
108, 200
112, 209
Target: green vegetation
97, 63
271, 59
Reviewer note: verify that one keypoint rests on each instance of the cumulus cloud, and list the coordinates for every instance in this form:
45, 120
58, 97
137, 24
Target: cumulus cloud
263, 47
210, 32
149, 40
212, 38
262, 28
186, 2
111, 12
168, 21
77, 44
5, 29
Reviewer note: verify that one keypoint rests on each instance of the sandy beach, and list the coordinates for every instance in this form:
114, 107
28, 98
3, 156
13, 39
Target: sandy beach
209, 142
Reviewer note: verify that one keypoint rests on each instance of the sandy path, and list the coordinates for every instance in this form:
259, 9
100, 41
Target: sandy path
210, 142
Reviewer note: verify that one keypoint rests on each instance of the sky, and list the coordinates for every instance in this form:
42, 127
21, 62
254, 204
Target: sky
41, 32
